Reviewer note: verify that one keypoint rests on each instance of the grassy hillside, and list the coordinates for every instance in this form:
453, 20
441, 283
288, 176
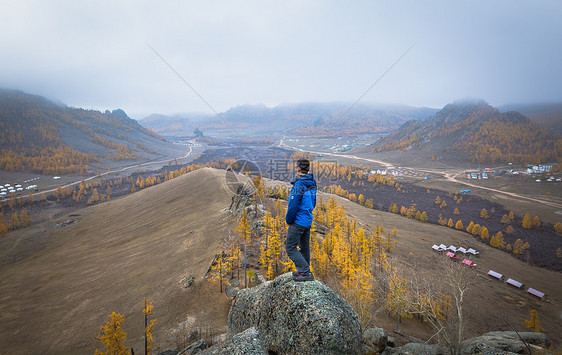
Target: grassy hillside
481, 132
58, 285
487, 299
41, 136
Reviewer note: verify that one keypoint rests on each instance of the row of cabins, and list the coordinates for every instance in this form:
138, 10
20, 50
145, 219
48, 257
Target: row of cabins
451, 250
517, 284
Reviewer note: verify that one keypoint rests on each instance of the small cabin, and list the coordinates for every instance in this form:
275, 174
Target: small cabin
461, 250
473, 252
468, 263
452, 256
452, 248
516, 284
496, 275
536, 293
437, 248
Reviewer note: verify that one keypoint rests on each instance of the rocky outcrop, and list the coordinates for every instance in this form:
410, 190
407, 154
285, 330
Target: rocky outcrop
415, 349
297, 318
505, 341
247, 342
375, 340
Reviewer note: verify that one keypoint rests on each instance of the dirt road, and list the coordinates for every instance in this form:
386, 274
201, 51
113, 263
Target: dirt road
119, 170
448, 175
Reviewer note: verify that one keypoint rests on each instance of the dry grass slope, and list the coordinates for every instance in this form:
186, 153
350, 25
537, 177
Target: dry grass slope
488, 298
58, 285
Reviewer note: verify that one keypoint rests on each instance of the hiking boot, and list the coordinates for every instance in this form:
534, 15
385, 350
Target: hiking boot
305, 277
296, 273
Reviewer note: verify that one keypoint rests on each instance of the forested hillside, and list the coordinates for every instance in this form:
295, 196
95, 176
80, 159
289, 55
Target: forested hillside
41, 136
482, 132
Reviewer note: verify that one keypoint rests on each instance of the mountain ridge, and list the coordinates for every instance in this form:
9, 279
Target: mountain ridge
43, 136
481, 131
289, 116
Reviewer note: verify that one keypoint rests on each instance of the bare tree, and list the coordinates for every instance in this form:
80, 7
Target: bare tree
437, 297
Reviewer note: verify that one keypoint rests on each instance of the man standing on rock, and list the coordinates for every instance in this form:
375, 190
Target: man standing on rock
302, 201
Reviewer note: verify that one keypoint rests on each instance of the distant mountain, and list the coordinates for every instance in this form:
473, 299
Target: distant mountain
548, 115
176, 125
481, 132
46, 137
304, 118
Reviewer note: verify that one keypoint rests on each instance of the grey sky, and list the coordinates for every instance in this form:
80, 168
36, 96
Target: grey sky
93, 54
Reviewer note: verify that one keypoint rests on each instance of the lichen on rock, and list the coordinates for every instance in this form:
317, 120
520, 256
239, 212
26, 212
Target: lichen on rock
297, 317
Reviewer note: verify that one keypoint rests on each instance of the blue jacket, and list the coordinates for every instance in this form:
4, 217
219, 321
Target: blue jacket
302, 201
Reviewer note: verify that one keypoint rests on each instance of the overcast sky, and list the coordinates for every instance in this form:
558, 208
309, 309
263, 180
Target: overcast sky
94, 54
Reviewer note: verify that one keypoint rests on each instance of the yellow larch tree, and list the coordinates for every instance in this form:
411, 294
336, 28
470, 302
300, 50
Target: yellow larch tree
459, 225
484, 234
527, 223
113, 336
148, 327
484, 214
519, 247
244, 228
497, 241
25, 219
533, 323
536, 222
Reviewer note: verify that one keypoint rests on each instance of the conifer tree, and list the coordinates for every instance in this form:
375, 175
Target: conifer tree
112, 336
476, 229
558, 227
470, 227
519, 247
533, 323
511, 215
497, 240
459, 225
3, 226
527, 221
14, 222
244, 228
536, 222
423, 217
361, 199
148, 327
450, 223
505, 219
25, 219
456, 211
484, 213
510, 230
484, 234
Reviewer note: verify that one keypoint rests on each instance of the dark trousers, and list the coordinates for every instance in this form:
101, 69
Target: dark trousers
299, 236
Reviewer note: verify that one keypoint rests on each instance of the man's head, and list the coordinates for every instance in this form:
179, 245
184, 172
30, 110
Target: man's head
303, 165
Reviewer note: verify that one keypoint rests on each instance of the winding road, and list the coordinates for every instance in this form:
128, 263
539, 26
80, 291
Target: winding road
115, 171
445, 174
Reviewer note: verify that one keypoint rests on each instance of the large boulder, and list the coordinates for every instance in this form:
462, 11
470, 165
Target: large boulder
505, 341
247, 342
375, 339
297, 317
415, 349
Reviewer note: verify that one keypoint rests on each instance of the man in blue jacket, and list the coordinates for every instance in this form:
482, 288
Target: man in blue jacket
302, 201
